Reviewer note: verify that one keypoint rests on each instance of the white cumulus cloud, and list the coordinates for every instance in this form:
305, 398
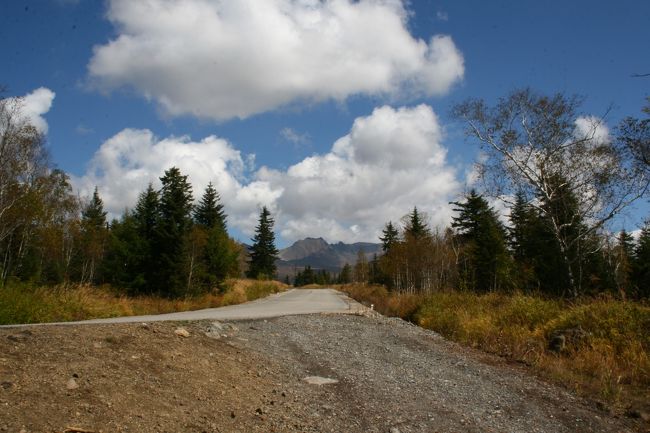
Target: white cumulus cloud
126, 163
389, 162
222, 59
33, 106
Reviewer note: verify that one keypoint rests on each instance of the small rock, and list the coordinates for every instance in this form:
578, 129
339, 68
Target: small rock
182, 332
6, 385
557, 343
394, 430
232, 414
317, 380
72, 384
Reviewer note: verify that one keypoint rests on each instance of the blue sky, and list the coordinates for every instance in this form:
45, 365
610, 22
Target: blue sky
334, 114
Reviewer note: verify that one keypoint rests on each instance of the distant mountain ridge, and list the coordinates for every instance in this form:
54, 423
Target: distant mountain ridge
319, 254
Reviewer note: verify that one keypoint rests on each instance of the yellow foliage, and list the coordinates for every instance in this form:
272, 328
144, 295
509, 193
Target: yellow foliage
612, 362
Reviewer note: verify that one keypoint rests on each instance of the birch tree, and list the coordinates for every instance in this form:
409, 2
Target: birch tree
542, 146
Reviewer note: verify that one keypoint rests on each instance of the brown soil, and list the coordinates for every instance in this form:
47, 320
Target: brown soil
393, 378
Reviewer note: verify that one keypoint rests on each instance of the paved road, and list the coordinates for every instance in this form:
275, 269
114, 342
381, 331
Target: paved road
292, 302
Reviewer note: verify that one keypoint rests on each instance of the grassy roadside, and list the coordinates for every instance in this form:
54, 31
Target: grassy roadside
607, 352
21, 303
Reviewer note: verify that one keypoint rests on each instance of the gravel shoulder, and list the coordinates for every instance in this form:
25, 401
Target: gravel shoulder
248, 376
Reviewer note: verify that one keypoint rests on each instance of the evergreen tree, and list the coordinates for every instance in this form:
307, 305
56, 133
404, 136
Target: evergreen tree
172, 231
221, 256
218, 253
641, 263
147, 213
209, 212
390, 237
125, 255
93, 215
534, 249
94, 233
263, 252
561, 218
416, 228
375, 274
305, 277
345, 277
146, 218
485, 260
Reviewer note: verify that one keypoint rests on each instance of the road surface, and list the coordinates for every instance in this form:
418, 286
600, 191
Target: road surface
292, 302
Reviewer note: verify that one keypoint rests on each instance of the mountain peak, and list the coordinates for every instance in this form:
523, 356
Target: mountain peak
304, 248
319, 254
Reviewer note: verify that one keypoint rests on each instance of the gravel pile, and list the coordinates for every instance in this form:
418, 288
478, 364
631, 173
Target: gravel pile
395, 377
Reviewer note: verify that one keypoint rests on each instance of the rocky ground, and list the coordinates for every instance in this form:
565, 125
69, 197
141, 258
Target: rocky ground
386, 376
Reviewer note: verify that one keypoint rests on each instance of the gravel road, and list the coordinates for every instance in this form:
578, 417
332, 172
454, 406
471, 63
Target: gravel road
254, 376
294, 301
396, 377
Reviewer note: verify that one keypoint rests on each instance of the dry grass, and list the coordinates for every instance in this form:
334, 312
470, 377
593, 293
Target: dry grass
610, 363
21, 303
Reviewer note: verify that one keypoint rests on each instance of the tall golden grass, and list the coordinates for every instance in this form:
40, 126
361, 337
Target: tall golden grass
611, 363
22, 303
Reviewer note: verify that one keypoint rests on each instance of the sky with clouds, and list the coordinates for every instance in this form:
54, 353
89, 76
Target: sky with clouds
333, 113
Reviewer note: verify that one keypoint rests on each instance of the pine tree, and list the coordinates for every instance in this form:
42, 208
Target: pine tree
390, 237
485, 260
416, 228
172, 231
209, 212
263, 252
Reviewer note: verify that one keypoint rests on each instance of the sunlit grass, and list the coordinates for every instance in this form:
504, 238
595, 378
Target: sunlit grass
22, 303
610, 363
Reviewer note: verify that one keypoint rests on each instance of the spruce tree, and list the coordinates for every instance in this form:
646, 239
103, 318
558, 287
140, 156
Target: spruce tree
94, 234
147, 213
416, 228
485, 260
219, 258
172, 231
390, 237
209, 212
93, 215
263, 252
125, 255
146, 218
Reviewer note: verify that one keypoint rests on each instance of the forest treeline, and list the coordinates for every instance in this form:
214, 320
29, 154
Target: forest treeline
479, 252
562, 175
165, 245
563, 178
